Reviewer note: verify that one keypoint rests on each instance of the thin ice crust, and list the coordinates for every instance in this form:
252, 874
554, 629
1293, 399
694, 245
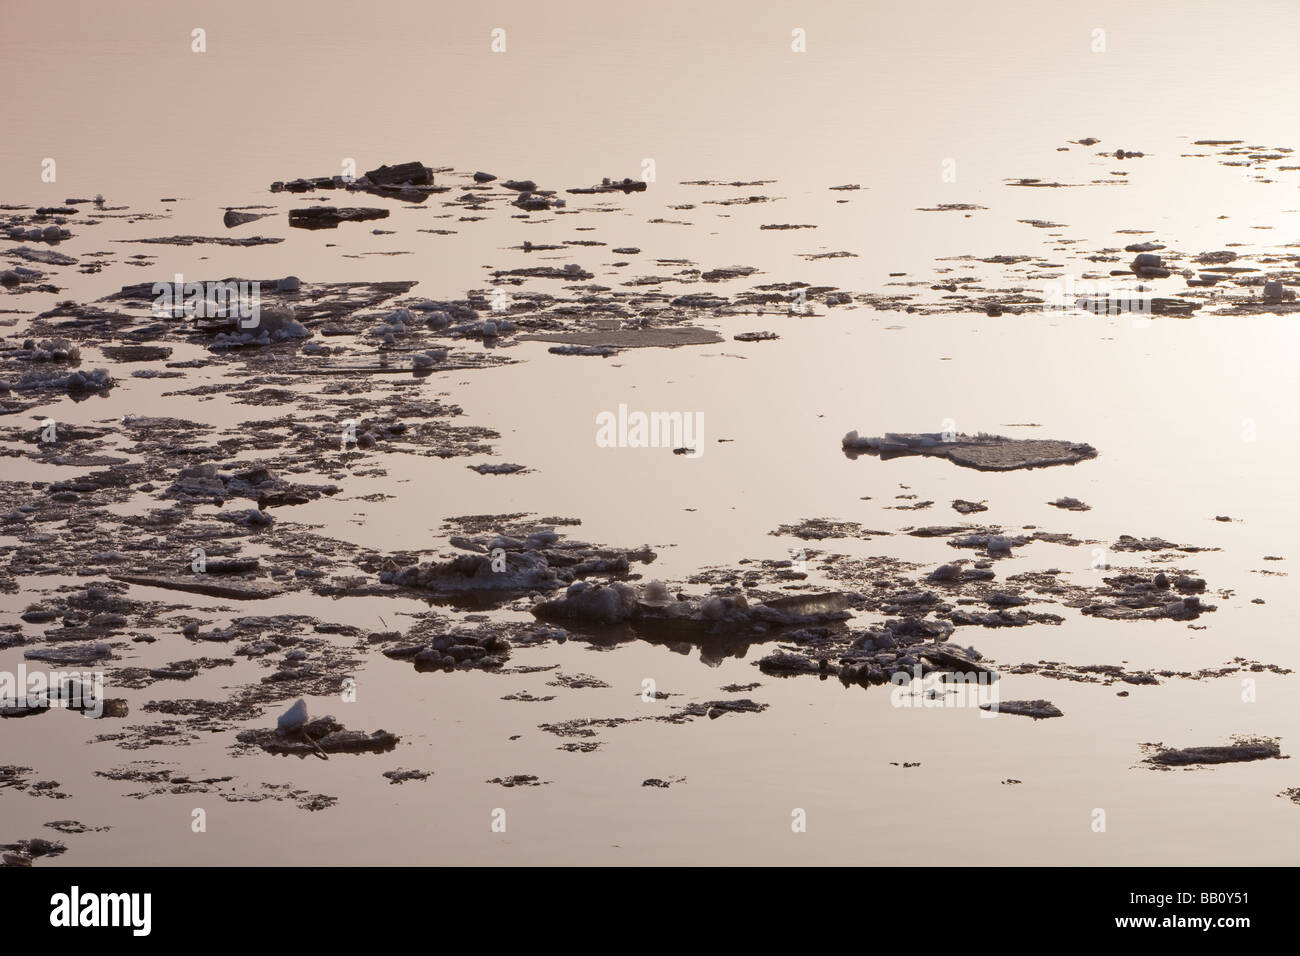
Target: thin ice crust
981, 452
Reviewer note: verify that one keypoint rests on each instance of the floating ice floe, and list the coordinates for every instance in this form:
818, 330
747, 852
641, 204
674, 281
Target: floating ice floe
982, 452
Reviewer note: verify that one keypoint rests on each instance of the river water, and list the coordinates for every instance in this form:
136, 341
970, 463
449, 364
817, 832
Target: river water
921, 104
